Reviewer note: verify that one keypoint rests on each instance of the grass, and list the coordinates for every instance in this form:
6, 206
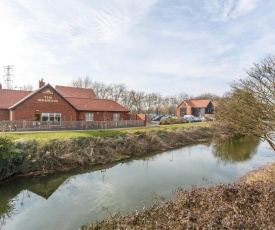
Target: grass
97, 133
265, 174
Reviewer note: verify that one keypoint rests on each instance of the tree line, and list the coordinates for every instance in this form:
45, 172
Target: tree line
138, 101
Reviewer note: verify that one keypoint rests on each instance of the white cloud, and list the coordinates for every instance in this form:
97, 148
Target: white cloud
142, 44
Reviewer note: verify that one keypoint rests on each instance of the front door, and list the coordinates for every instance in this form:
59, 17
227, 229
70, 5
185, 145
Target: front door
37, 117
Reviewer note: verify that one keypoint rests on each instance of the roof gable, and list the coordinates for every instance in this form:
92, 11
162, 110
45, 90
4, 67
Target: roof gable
73, 92
197, 103
9, 97
37, 91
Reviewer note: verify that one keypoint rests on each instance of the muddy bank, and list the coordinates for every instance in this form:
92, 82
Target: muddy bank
247, 204
25, 157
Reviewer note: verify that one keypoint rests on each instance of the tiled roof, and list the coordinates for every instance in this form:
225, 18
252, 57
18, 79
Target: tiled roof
80, 99
31, 94
86, 104
197, 103
74, 92
9, 97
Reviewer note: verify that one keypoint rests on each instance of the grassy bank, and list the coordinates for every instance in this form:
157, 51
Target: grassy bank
247, 204
24, 153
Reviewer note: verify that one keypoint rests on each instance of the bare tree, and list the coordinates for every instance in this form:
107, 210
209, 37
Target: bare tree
250, 108
107, 116
82, 82
139, 102
149, 102
207, 96
27, 87
128, 99
100, 89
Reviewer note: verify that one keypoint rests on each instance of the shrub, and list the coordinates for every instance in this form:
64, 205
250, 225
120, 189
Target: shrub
171, 121
11, 159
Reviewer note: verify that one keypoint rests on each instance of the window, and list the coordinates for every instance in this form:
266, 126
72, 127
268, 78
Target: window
89, 117
51, 118
116, 116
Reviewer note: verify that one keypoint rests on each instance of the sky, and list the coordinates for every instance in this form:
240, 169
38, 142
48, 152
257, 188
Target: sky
161, 46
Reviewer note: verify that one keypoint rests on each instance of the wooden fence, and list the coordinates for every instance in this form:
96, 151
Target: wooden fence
67, 125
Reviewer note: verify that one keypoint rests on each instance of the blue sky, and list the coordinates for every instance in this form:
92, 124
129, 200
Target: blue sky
162, 46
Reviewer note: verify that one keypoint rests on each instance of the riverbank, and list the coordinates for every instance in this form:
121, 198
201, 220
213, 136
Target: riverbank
44, 156
247, 204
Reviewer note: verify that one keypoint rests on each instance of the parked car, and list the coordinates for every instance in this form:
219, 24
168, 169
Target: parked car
157, 118
191, 118
202, 118
165, 118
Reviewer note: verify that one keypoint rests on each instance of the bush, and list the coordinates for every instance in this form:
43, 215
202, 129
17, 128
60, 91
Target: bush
171, 121
11, 159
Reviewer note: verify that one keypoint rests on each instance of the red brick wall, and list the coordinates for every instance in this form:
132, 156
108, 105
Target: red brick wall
188, 110
103, 116
4, 114
141, 117
42, 102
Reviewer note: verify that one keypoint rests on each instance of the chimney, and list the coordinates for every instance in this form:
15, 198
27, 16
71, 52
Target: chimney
0, 86
41, 83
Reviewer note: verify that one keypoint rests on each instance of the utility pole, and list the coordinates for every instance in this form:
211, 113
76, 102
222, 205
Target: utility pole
8, 76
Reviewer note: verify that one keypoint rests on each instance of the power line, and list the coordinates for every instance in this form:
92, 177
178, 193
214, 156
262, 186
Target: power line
8, 76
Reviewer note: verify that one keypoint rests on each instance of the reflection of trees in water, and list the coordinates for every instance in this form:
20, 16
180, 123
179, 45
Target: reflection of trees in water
7, 209
235, 149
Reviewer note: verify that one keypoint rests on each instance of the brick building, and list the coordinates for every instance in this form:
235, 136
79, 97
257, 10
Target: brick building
58, 104
198, 108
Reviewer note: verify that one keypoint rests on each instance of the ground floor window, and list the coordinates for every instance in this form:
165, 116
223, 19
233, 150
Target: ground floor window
89, 116
116, 116
51, 118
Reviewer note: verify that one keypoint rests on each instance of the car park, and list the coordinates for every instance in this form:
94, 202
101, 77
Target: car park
191, 118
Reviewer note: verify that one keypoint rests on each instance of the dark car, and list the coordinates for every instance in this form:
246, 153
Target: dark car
157, 118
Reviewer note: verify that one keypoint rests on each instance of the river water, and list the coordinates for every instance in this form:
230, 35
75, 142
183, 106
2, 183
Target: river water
70, 200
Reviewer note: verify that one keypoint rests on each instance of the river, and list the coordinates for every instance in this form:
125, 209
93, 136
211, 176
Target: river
70, 200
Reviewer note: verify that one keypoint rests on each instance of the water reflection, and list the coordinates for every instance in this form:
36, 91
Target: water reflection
235, 149
73, 198
43, 186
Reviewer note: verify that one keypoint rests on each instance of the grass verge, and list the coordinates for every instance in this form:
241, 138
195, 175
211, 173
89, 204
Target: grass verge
95, 133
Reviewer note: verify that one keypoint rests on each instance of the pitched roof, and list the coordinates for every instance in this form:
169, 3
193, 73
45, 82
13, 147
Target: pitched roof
198, 103
86, 104
81, 99
33, 93
74, 92
9, 97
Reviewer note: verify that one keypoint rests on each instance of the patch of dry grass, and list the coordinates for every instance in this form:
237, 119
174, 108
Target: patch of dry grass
265, 174
234, 206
